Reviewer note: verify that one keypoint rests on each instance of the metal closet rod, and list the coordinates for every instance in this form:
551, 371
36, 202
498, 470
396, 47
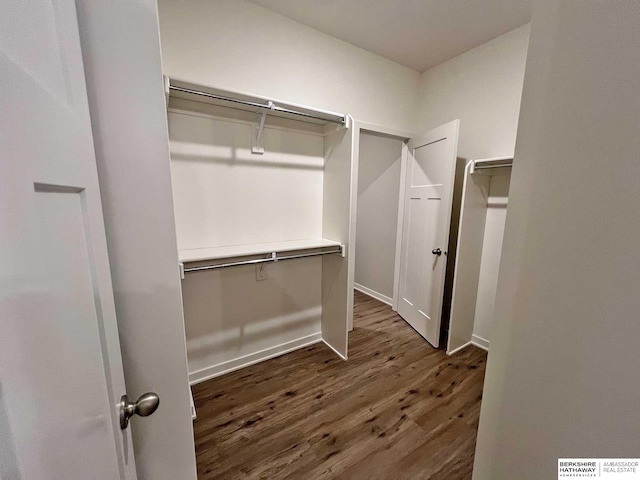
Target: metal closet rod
253, 104
272, 258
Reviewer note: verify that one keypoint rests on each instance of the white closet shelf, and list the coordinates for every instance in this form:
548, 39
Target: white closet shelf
251, 103
232, 251
487, 163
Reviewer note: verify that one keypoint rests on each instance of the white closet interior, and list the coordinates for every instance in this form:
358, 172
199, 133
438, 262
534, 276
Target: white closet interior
481, 230
379, 168
272, 202
262, 199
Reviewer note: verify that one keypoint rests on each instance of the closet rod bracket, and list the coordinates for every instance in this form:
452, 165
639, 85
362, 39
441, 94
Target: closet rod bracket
257, 139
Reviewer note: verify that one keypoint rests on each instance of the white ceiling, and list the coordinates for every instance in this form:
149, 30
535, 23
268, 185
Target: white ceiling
416, 33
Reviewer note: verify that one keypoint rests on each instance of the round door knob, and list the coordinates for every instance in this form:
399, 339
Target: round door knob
145, 406
436, 251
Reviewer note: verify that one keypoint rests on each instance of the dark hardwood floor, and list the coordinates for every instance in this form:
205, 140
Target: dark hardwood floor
397, 409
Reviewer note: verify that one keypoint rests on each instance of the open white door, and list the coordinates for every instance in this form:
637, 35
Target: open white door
61, 375
425, 228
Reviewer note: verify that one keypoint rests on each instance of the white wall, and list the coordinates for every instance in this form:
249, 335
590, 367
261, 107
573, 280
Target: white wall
237, 45
482, 88
225, 195
491, 252
129, 124
562, 378
377, 212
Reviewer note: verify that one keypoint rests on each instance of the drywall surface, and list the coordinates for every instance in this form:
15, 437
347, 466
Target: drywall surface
225, 195
562, 377
237, 45
130, 135
482, 88
377, 212
491, 251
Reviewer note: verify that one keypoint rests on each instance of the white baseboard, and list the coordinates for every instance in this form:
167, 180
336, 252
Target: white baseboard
456, 350
373, 293
480, 342
237, 363
334, 350
193, 406
477, 341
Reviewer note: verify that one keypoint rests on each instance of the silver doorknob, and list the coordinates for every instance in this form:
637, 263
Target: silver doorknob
436, 251
145, 406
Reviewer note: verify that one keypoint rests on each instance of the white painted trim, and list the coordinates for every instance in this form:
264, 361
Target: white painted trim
461, 347
353, 211
404, 159
477, 341
373, 293
193, 405
358, 128
253, 358
480, 342
370, 127
334, 350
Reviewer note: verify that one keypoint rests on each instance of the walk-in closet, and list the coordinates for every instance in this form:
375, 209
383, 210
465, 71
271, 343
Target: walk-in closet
277, 239
318, 209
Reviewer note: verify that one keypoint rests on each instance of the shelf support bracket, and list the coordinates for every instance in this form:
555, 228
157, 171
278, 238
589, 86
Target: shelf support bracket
257, 139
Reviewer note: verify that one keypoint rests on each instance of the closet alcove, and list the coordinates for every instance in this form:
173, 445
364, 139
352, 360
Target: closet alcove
480, 233
380, 164
262, 192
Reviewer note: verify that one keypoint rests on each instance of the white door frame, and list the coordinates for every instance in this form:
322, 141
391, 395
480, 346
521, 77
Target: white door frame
405, 136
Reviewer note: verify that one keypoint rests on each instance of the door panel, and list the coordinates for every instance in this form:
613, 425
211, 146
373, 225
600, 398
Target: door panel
60, 366
427, 213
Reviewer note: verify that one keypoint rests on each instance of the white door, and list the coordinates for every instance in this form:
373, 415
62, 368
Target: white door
61, 372
425, 228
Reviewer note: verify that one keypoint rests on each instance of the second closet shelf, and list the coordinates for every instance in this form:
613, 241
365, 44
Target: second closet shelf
233, 251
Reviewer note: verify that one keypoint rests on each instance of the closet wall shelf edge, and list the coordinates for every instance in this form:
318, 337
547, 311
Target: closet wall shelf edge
489, 163
252, 103
199, 259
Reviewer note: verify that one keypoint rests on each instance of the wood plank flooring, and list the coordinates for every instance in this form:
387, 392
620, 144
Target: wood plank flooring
397, 409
